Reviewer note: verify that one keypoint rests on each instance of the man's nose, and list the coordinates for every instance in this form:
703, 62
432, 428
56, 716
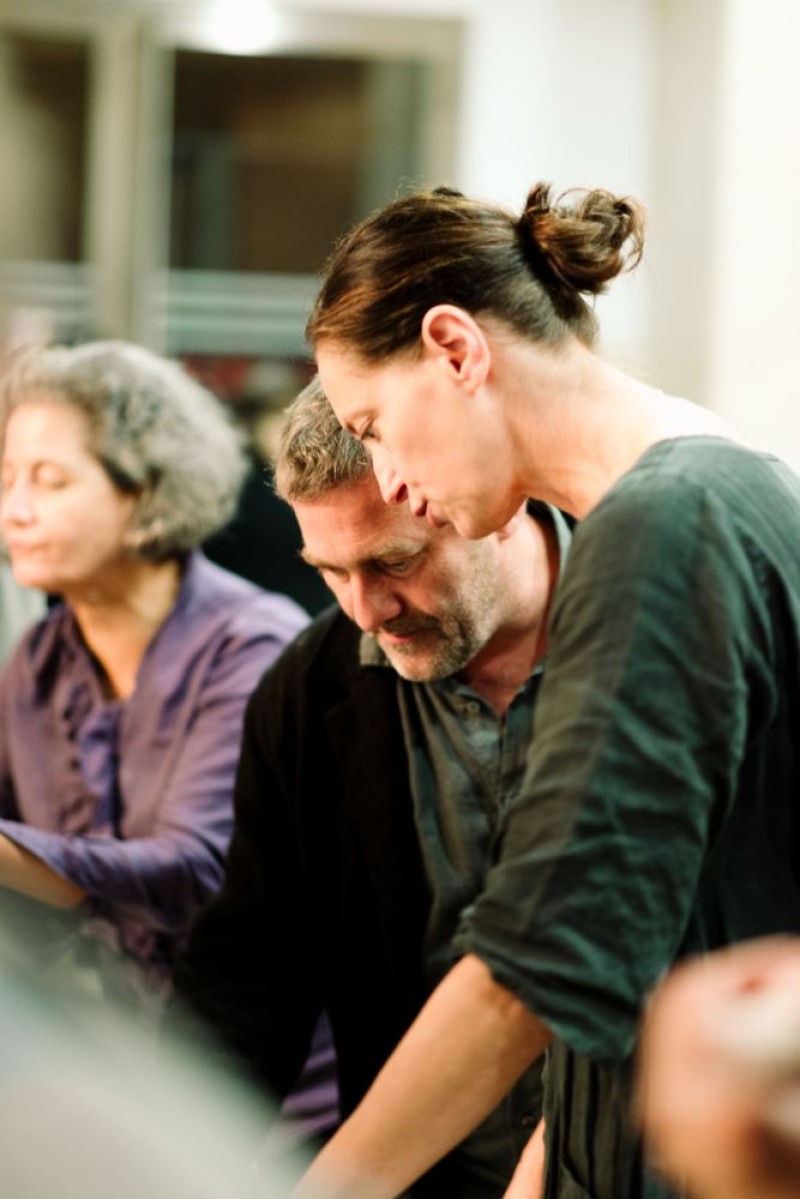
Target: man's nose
373, 602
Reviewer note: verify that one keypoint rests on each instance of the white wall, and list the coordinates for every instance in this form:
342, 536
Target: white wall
726, 245
687, 68
755, 278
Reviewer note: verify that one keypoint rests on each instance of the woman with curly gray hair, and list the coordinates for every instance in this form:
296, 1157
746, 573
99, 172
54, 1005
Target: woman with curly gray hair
120, 712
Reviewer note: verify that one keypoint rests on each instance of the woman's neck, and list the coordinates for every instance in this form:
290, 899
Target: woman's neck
583, 423
119, 617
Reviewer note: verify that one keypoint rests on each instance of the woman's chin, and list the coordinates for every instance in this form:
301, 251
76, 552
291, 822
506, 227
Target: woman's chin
475, 526
32, 579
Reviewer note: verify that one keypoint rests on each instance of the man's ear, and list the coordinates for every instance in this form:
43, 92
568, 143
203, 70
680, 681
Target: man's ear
456, 340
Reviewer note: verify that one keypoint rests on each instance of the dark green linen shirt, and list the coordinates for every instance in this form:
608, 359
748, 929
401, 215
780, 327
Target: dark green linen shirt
657, 817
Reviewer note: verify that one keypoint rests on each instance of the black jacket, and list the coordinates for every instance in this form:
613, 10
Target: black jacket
324, 902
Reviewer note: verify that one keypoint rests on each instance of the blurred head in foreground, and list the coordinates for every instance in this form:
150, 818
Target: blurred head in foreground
719, 1088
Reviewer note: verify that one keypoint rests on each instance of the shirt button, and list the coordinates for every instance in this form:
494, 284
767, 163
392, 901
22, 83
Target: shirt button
528, 1120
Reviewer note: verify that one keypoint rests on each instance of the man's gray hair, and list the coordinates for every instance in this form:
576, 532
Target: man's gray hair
158, 433
315, 454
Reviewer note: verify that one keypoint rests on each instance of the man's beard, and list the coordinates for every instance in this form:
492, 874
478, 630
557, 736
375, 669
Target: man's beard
440, 648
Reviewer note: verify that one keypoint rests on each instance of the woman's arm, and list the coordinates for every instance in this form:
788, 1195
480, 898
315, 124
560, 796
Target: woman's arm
469, 1045
528, 1180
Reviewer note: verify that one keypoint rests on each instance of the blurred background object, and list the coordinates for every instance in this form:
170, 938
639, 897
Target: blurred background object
184, 170
19, 608
262, 542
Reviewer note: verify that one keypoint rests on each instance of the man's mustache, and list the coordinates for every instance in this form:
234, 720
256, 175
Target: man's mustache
405, 627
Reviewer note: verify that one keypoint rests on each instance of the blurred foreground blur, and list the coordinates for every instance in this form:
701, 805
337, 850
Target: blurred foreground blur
90, 1106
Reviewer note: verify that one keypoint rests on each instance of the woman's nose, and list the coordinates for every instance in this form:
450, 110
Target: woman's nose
392, 487
15, 504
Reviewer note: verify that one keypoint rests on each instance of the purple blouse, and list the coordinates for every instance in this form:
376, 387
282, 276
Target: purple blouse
132, 800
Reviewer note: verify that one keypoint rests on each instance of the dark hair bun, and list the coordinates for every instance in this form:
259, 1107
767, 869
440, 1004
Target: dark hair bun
584, 238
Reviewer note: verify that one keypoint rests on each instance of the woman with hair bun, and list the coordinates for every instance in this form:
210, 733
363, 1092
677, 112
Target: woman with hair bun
121, 710
657, 815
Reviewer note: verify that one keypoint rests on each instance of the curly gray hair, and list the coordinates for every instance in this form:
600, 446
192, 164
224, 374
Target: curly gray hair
157, 432
315, 454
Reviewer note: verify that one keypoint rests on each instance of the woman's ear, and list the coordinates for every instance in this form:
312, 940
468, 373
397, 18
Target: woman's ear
456, 340
144, 526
